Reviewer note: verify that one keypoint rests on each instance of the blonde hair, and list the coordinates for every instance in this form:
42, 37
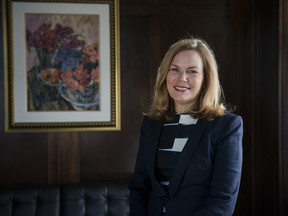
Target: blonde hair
210, 100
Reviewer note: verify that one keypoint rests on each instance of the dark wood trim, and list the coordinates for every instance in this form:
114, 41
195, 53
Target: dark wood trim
173, 9
58, 158
74, 158
155, 49
266, 109
63, 158
240, 65
52, 161
283, 62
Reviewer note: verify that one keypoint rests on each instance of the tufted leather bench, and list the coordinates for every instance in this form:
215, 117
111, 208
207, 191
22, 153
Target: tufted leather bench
66, 200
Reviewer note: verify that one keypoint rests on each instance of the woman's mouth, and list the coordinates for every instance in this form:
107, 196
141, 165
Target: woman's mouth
181, 88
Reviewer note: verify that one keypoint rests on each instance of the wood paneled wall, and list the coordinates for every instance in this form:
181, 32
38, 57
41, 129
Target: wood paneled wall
247, 38
240, 92
266, 108
283, 114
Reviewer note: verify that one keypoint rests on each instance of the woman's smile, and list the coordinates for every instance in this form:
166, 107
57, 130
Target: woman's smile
181, 88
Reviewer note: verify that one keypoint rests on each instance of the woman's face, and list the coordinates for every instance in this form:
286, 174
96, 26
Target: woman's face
184, 79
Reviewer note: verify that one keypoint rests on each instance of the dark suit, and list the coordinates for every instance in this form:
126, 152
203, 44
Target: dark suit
206, 178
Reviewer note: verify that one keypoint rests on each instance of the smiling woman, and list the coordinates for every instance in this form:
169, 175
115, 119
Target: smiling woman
190, 155
209, 103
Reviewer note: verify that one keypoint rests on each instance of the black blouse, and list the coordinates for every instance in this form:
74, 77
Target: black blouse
174, 136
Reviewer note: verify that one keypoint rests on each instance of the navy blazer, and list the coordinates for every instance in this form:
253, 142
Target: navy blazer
206, 177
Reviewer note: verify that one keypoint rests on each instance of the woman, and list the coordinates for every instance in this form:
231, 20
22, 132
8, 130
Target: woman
190, 156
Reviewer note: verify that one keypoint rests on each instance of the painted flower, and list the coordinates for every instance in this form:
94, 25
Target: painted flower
58, 47
88, 68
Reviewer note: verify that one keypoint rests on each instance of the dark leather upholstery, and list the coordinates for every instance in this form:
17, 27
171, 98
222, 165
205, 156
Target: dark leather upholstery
67, 200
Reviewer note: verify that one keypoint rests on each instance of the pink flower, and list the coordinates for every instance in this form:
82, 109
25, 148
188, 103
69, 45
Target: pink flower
90, 54
74, 85
95, 74
66, 75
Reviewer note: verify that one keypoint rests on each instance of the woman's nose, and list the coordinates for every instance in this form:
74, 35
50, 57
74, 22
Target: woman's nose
183, 76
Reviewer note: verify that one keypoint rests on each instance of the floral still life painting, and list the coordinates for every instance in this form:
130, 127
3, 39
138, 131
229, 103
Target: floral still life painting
62, 58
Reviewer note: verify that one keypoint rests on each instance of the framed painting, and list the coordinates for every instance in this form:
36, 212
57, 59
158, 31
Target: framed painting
61, 65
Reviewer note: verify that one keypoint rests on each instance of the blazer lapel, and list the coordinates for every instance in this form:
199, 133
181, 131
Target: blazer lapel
152, 144
150, 153
186, 155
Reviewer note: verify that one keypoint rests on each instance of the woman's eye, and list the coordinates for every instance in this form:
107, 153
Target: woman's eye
174, 69
191, 71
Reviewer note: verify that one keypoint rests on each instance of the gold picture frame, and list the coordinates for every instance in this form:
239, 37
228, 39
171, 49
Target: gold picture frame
61, 65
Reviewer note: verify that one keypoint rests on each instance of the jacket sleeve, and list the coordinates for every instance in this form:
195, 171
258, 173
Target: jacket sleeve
139, 186
225, 180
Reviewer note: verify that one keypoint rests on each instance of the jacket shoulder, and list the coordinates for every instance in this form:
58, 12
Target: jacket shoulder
229, 117
227, 122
